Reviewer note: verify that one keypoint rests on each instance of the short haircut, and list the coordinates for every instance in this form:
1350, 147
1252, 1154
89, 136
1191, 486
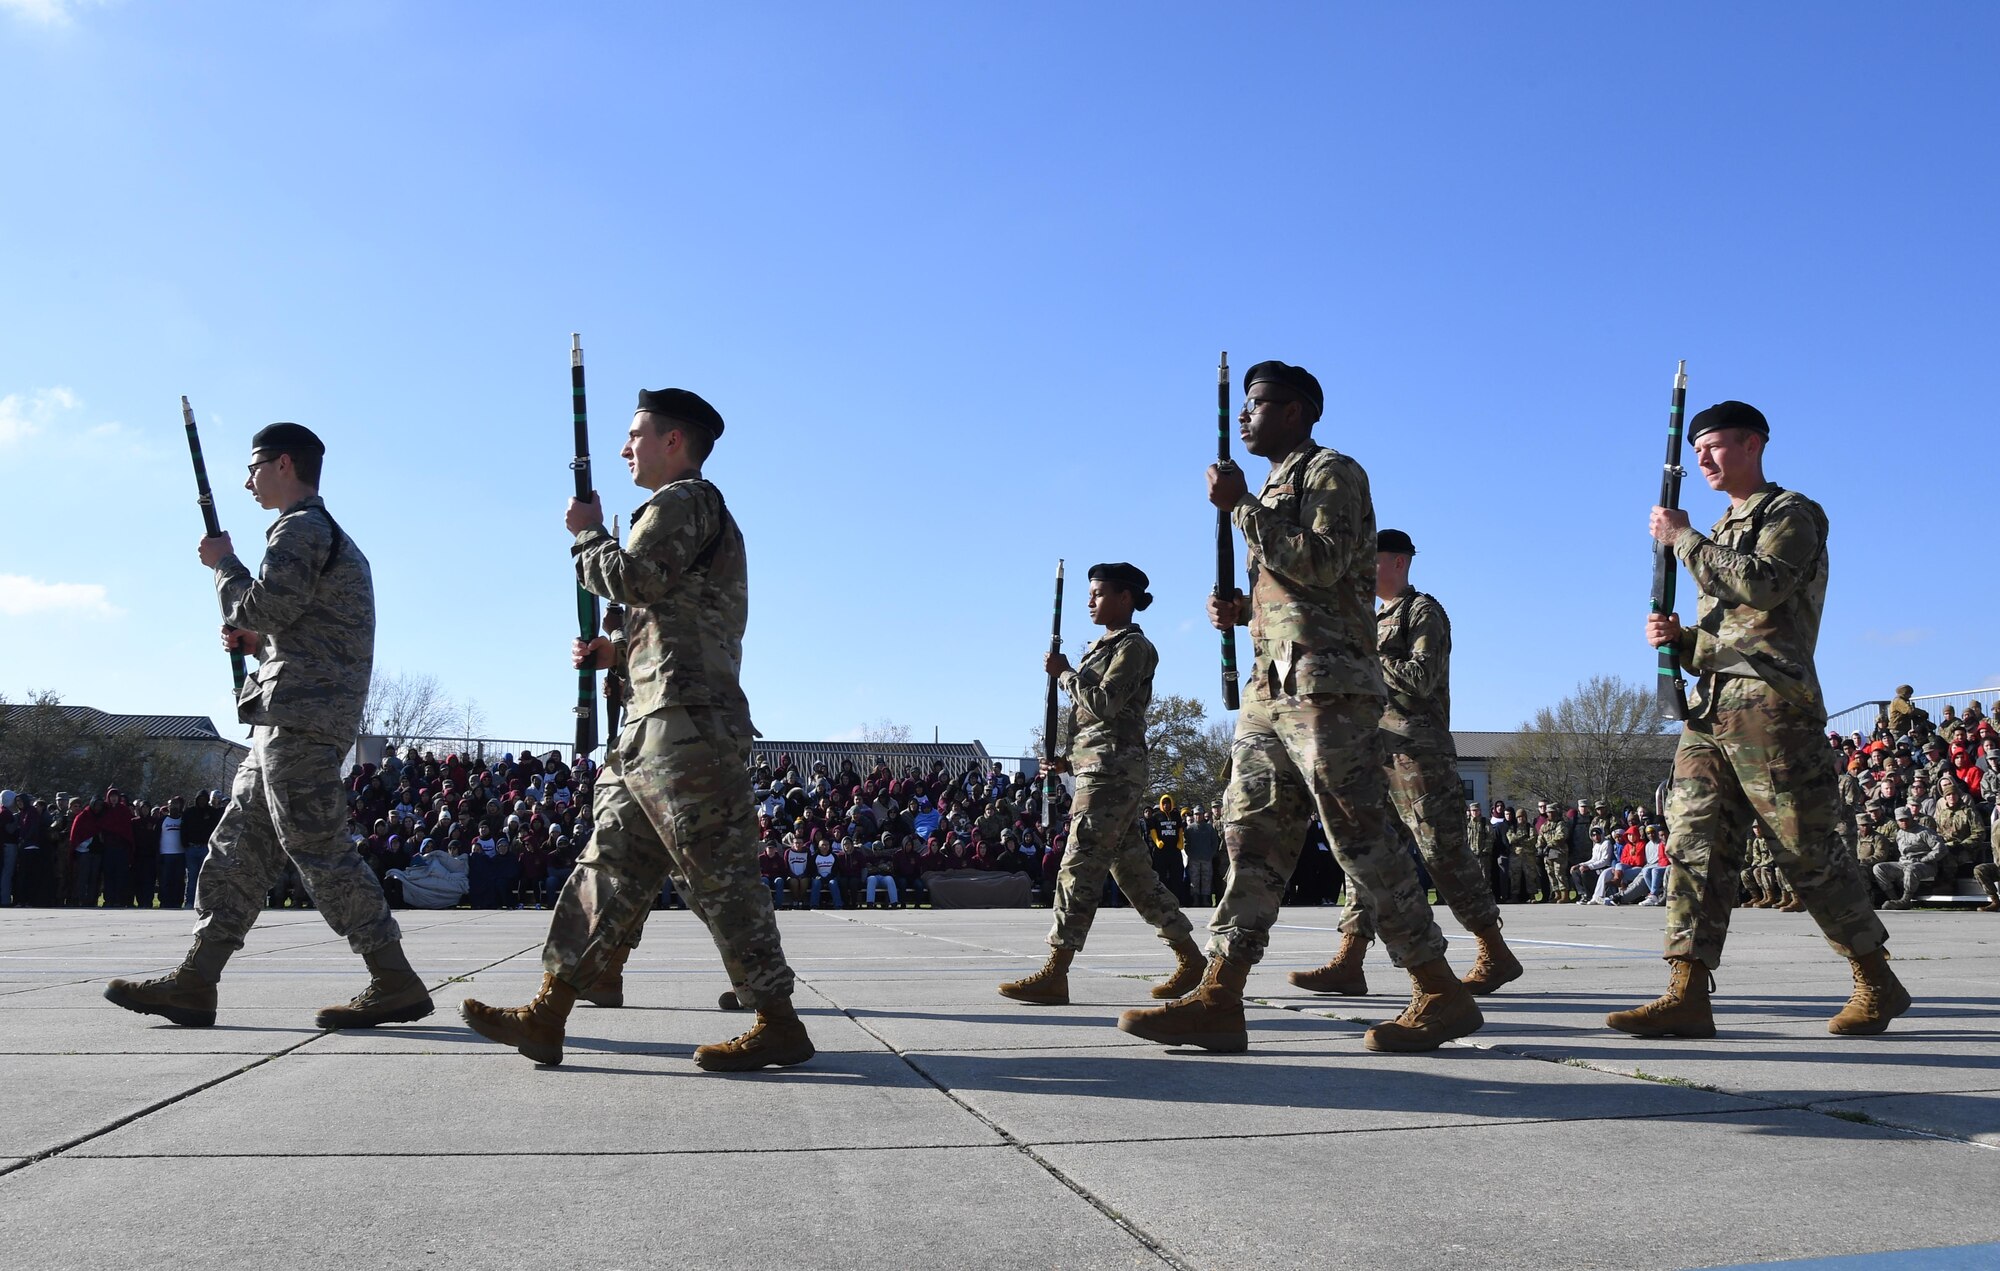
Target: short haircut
306, 464
699, 443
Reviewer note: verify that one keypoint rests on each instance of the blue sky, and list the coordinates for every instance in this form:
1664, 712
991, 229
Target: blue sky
957, 277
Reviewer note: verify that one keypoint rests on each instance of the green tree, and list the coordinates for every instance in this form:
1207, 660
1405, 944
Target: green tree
1603, 741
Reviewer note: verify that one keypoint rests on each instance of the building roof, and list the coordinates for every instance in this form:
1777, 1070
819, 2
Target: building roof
864, 754
153, 727
1486, 745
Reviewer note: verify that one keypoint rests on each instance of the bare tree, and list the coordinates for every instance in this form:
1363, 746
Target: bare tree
1603, 741
1187, 753
887, 732
402, 706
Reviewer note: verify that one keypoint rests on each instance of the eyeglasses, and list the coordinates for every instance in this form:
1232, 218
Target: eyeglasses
1251, 404
260, 463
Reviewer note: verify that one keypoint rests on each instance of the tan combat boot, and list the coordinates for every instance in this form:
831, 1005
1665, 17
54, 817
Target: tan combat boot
1211, 1017
1343, 975
1992, 905
395, 994
1440, 1009
1496, 964
1878, 998
608, 989
1046, 987
1759, 899
184, 996
777, 1040
536, 1030
1189, 964
1791, 903
1683, 1011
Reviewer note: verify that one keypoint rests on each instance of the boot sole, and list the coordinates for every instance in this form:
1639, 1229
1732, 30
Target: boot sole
729, 1001
754, 1061
549, 1056
1693, 1034
332, 1021
1480, 988
1382, 1045
1360, 990
172, 1014
611, 1001
1034, 1001
1221, 1043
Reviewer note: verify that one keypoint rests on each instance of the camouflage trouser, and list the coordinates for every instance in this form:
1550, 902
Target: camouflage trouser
1292, 756
1104, 838
287, 803
1757, 757
1988, 874
1555, 869
1899, 879
1424, 786
1524, 867
674, 797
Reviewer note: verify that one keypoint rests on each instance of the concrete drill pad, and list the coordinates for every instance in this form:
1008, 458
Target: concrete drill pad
499, 1102
1290, 1088
931, 975
1451, 1198
1961, 1114
795, 1209
47, 1100
92, 1030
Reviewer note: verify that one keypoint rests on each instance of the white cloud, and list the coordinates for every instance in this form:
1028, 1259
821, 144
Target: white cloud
45, 12
45, 413
21, 596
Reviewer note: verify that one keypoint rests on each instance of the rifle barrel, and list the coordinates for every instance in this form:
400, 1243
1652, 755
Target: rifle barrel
1051, 718
205, 499
586, 604
1225, 539
1672, 687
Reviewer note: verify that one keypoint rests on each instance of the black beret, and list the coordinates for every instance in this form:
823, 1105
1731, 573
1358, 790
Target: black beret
1295, 379
679, 404
1394, 541
1122, 576
1729, 415
288, 439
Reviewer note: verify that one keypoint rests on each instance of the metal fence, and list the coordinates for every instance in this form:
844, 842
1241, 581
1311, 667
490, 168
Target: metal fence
1861, 718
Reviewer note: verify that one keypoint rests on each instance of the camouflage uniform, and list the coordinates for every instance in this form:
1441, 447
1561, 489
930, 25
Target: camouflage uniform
1308, 736
1753, 744
674, 796
1552, 845
1524, 863
1756, 876
1963, 830
1108, 694
313, 602
1988, 872
1479, 839
1919, 852
1413, 643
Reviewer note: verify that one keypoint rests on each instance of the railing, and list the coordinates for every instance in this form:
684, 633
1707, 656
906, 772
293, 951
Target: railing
1861, 717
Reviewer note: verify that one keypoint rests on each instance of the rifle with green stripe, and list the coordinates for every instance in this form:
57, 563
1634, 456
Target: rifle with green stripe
1673, 689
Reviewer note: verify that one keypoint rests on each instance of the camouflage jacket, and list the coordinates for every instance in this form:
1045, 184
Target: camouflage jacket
1413, 643
313, 602
1553, 838
1478, 832
1310, 536
1762, 574
1921, 846
1757, 851
1962, 825
684, 579
1108, 695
